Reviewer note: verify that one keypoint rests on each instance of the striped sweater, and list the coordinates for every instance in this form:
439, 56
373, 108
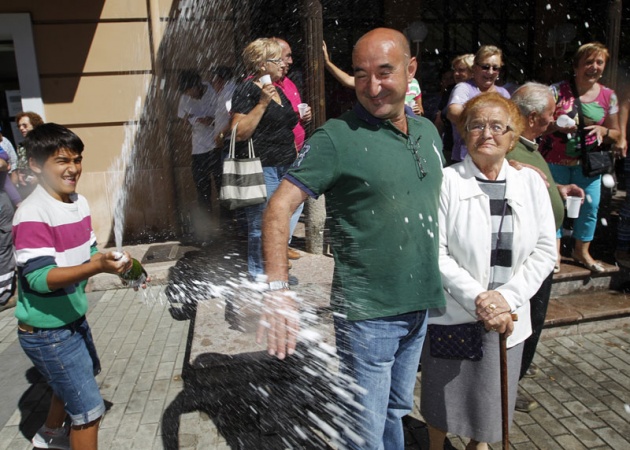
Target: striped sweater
47, 234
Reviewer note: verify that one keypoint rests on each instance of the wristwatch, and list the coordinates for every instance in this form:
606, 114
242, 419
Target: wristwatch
278, 285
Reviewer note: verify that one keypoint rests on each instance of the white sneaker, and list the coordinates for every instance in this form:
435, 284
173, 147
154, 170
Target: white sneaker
52, 438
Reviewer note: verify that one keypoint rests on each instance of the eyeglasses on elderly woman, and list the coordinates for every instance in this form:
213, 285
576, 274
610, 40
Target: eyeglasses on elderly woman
496, 128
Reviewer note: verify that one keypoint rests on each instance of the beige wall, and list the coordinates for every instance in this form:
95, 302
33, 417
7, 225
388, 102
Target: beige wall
98, 60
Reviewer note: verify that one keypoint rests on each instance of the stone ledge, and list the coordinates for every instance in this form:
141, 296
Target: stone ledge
224, 337
587, 307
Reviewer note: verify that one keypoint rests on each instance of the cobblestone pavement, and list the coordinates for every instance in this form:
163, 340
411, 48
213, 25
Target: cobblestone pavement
583, 390
583, 386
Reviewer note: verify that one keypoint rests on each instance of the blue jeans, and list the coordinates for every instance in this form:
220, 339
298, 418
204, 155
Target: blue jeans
584, 226
273, 177
382, 355
67, 359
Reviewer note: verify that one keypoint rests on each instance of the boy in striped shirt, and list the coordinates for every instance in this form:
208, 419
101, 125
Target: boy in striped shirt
56, 254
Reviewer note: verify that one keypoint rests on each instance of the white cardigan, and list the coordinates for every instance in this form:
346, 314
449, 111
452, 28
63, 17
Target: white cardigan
465, 247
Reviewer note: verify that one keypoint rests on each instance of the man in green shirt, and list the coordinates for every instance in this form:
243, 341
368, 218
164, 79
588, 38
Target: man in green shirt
537, 105
381, 172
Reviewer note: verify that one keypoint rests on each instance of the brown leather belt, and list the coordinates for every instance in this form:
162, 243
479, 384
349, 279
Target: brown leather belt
26, 328
30, 329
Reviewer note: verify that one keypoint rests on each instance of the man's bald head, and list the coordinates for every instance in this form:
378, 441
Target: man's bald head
383, 68
382, 35
287, 55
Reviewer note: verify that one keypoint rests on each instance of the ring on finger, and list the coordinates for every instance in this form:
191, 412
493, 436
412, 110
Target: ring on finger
491, 307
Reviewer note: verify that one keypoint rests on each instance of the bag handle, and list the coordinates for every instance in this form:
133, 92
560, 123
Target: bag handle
580, 121
232, 151
250, 145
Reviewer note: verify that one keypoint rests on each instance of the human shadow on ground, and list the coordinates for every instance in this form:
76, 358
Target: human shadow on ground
35, 402
257, 404
254, 401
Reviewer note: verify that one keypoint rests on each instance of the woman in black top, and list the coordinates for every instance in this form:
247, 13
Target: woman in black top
264, 114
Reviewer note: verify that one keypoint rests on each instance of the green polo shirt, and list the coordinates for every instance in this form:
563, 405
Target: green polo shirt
529, 155
382, 193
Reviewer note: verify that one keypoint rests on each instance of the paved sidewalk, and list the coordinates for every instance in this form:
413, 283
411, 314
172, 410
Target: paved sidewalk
583, 387
142, 352
583, 390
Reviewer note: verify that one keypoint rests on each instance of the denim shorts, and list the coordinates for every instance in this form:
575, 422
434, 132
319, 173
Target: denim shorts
67, 359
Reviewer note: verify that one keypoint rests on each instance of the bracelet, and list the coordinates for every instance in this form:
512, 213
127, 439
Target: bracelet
277, 286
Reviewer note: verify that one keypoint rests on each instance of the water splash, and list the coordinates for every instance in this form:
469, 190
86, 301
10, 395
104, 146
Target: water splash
121, 170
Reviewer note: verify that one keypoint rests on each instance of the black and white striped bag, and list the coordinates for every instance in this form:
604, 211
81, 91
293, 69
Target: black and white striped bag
243, 182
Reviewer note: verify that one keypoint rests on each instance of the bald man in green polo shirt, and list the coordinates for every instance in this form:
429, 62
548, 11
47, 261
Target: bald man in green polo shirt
381, 170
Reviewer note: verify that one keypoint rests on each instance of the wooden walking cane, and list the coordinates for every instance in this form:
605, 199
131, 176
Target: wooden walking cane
505, 413
505, 410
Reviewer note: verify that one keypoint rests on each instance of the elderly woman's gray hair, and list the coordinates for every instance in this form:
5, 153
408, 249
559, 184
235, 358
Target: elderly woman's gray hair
532, 97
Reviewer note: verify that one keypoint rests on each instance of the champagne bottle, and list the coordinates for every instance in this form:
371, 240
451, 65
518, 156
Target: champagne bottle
134, 277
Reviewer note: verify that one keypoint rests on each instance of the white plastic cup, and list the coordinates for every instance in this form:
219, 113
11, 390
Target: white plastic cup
302, 108
565, 121
573, 207
265, 79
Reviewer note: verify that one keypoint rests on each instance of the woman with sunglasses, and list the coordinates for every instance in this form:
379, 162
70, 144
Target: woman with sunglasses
264, 114
488, 63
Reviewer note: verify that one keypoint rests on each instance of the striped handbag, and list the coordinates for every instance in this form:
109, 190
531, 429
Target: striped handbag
243, 182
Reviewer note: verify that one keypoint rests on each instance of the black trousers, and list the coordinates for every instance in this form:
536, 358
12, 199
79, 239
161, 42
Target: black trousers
207, 167
538, 305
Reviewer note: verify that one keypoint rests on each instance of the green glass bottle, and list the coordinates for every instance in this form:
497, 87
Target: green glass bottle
136, 276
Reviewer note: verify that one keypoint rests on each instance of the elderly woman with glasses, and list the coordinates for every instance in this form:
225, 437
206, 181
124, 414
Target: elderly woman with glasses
497, 245
485, 72
264, 114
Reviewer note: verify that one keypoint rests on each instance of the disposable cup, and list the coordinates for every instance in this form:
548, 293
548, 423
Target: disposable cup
573, 207
302, 107
265, 79
565, 121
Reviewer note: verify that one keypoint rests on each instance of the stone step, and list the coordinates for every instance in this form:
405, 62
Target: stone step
575, 278
587, 312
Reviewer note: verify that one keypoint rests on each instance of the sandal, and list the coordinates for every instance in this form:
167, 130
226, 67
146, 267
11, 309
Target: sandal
595, 266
